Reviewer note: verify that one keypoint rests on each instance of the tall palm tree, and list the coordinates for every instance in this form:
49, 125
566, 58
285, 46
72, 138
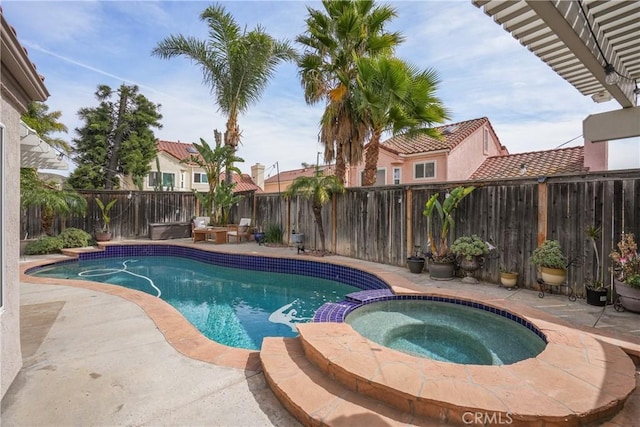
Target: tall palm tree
333, 40
213, 160
237, 65
394, 96
318, 188
44, 123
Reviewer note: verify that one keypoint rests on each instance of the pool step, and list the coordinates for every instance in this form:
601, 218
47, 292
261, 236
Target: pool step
336, 311
315, 398
330, 363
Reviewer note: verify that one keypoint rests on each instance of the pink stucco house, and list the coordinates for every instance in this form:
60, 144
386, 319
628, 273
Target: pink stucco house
463, 148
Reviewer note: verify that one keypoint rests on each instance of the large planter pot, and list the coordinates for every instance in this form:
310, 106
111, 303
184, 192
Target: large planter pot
469, 266
441, 270
597, 297
103, 236
416, 264
628, 298
508, 279
553, 276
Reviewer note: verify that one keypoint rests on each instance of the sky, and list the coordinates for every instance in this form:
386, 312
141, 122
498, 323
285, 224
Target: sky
483, 71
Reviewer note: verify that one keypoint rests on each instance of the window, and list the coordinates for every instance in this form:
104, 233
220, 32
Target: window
396, 176
200, 178
424, 170
167, 180
485, 141
380, 177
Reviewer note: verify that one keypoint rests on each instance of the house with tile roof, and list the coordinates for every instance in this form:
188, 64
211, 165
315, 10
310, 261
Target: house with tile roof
173, 175
532, 164
280, 182
463, 148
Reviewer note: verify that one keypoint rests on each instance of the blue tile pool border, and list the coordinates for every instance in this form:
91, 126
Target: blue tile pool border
339, 273
373, 288
338, 312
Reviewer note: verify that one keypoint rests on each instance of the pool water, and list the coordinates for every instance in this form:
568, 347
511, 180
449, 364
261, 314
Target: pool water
235, 307
446, 332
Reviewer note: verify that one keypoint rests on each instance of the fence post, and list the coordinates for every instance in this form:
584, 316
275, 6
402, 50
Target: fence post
334, 223
409, 215
542, 211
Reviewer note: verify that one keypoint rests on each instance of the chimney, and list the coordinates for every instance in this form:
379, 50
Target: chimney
257, 175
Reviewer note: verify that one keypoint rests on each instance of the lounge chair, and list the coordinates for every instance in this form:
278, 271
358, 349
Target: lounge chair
239, 231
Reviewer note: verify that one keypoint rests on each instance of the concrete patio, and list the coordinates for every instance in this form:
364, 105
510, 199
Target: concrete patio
96, 358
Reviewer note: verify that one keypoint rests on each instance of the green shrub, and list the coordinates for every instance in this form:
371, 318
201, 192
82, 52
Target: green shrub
549, 255
273, 234
44, 245
469, 246
74, 238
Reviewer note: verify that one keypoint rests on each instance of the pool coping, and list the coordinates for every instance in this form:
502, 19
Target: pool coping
186, 339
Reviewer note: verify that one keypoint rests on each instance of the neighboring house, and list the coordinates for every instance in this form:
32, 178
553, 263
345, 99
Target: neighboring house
173, 175
280, 182
464, 146
534, 164
20, 85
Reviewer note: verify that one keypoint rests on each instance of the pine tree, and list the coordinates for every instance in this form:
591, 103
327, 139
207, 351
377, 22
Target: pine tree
117, 138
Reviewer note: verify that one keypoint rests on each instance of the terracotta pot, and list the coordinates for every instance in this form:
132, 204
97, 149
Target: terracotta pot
628, 297
508, 279
553, 276
103, 236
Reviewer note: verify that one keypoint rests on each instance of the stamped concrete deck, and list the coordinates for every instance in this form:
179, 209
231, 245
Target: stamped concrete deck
29, 390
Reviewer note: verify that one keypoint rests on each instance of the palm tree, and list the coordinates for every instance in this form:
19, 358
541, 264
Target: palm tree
44, 123
318, 188
236, 64
213, 160
51, 200
332, 42
393, 96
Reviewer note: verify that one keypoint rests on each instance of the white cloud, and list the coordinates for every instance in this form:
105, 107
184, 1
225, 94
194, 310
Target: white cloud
483, 70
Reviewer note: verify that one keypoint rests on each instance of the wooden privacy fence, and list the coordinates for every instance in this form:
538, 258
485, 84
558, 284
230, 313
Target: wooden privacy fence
384, 224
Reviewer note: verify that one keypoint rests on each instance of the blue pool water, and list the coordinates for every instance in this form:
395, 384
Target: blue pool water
446, 332
233, 306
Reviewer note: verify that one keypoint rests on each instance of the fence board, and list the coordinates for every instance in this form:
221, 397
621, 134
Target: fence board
371, 222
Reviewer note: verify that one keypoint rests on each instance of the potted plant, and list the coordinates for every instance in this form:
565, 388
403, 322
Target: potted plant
626, 269
442, 265
470, 251
508, 277
104, 234
595, 291
416, 261
551, 262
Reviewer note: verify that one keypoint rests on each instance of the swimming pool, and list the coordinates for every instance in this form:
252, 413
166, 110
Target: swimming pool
447, 332
235, 300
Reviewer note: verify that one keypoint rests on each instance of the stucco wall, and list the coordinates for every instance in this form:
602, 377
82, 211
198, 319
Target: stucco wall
168, 164
10, 353
466, 157
596, 155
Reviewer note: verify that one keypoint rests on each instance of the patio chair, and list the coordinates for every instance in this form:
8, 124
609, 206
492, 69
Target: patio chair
199, 228
239, 231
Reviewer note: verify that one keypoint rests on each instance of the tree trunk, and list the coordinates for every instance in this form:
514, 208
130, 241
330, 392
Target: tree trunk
371, 160
232, 139
317, 213
340, 164
110, 173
